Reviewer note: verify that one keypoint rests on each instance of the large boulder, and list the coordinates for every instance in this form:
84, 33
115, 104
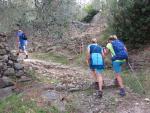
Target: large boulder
3, 51
5, 82
18, 66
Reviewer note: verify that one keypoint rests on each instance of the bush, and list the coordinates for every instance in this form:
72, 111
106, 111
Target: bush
130, 21
91, 12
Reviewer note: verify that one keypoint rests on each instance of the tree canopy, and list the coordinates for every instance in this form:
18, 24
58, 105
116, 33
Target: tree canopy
130, 20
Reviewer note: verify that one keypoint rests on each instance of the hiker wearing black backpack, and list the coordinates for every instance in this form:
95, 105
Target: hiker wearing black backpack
94, 59
119, 57
22, 43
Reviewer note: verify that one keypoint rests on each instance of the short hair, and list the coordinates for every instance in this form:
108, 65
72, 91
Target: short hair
94, 40
115, 37
112, 37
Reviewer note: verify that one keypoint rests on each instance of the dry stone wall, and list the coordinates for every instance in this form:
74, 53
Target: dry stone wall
9, 66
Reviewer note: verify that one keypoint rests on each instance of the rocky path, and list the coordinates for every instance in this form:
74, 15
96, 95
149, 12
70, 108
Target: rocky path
69, 89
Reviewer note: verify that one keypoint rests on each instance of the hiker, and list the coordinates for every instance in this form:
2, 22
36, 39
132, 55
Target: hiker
119, 56
94, 59
22, 43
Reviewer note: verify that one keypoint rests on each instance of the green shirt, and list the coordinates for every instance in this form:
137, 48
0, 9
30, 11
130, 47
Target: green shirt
110, 47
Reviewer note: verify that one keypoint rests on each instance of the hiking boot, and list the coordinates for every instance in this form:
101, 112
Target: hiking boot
122, 92
17, 54
99, 94
26, 57
116, 83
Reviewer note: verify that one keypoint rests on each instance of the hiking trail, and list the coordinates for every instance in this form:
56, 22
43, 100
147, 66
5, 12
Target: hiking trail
69, 88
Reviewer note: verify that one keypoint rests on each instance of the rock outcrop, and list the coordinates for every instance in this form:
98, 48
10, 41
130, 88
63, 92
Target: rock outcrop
77, 37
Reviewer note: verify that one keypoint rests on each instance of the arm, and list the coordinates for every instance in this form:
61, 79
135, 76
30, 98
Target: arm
87, 56
125, 48
17, 38
103, 52
106, 50
17, 41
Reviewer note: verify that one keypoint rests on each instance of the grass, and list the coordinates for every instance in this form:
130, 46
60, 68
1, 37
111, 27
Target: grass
138, 82
51, 57
134, 80
32, 74
36, 76
80, 60
16, 104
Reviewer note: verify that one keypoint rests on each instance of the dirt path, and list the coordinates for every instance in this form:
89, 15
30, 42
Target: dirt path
69, 89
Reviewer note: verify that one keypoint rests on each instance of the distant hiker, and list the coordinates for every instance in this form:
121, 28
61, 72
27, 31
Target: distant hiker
94, 58
119, 57
22, 42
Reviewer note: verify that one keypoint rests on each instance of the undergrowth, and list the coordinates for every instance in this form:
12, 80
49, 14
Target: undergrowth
16, 104
138, 82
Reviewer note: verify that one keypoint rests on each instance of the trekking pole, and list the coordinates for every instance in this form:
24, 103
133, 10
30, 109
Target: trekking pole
134, 75
130, 67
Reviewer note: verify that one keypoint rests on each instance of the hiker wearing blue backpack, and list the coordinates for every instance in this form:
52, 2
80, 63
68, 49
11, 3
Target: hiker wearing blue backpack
94, 59
22, 42
119, 57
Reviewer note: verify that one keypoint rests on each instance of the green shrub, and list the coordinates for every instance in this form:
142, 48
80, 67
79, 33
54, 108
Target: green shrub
91, 12
130, 21
138, 81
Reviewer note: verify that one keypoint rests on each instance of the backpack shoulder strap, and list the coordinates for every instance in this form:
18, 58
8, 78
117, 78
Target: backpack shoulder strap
95, 49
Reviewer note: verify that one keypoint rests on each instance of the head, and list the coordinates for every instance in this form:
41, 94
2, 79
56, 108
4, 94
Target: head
94, 40
111, 38
115, 37
19, 30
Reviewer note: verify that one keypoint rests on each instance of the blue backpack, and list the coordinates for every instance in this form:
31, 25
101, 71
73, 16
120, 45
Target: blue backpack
120, 51
23, 36
96, 58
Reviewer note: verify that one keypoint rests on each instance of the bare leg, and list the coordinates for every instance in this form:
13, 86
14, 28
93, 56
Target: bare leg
120, 81
94, 75
18, 52
100, 81
25, 51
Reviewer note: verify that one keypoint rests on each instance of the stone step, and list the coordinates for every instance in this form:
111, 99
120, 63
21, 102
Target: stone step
5, 92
